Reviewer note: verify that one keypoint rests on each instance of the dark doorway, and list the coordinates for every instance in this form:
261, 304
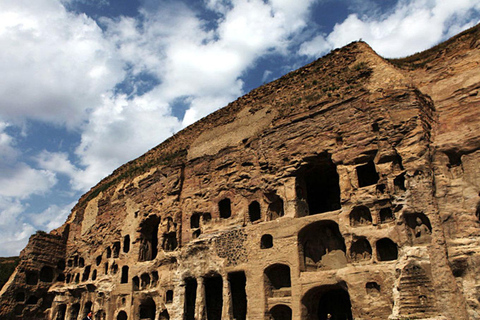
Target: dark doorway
149, 238
275, 206
224, 207
124, 278
61, 312
239, 296
386, 250
281, 312
32, 278
190, 298
126, 243
367, 175
74, 310
254, 211
147, 309
87, 308
164, 315
319, 184
214, 297
116, 249
195, 221
386, 215
335, 302
122, 315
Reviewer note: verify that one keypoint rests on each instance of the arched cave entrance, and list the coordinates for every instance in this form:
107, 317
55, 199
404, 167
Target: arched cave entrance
238, 281
122, 315
327, 300
386, 250
361, 250
360, 216
254, 212
420, 227
280, 312
321, 245
149, 238
277, 280
190, 298
147, 309
46, 274
318, 185
225, 209
367, 174
275, 206
126, 243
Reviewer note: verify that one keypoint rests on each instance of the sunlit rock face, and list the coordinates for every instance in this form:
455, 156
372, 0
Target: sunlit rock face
348, 188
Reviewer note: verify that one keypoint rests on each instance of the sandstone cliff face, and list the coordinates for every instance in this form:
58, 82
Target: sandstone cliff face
349, 187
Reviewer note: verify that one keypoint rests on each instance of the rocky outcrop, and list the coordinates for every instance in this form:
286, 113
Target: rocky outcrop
349, 187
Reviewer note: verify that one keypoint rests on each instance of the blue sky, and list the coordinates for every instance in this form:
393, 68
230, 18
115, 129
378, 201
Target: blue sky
87, 85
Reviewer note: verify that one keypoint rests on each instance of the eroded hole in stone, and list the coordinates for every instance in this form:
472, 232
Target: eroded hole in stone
238, 282
214, 297
367, 174
105, 267
381, 188
277, 280
224, 207
207, 217
387, 250
149, 238
68, 278
320, 182
477, 212
280, 312
454, 158
254, 212
147, 309
190, 298
124, 277
109, 252
77, 278
46, 274
372, 288
99, 260
360, 216
94, 275
266, 241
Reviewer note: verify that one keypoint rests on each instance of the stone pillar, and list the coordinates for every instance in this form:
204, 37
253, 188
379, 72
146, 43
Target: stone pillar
200, 303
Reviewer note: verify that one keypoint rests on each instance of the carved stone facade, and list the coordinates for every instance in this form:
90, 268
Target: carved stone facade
344, 190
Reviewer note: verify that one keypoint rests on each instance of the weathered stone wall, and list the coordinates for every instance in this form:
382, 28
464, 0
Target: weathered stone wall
336, 189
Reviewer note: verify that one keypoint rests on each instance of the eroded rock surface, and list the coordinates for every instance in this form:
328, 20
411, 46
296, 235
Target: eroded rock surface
349, 187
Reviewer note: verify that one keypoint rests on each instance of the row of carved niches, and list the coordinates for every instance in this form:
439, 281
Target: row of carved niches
145, 281
382, 213
322, 247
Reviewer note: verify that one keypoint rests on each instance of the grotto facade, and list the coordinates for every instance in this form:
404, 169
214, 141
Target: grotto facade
349, 188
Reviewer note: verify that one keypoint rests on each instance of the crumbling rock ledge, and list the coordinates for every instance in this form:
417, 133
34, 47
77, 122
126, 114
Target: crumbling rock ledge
349, 187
